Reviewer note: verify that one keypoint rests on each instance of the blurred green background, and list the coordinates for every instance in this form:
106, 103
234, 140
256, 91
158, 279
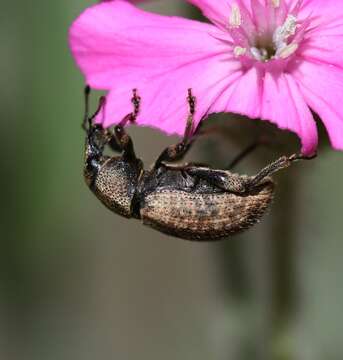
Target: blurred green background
78, 282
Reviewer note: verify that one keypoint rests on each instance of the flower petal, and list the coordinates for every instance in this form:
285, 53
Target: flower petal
120, 47
321, 10
275, 98
284, 105
322, 87
115, 42
324, 36
218, 11
243, 96
163, 99
325, 49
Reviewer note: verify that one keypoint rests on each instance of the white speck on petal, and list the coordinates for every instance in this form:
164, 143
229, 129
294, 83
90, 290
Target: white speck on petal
235, 19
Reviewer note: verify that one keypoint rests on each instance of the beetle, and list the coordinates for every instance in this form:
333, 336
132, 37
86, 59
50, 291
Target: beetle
189, 201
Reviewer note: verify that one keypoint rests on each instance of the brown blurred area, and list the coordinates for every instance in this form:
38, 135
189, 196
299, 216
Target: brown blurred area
78, 282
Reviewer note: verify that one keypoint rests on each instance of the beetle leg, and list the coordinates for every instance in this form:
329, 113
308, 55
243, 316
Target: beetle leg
239, 184
282, 163
247, 151
219, 178
119, 140
185, 166
178, 151
259, 141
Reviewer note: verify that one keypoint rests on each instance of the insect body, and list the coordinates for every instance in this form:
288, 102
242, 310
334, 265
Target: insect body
188, 201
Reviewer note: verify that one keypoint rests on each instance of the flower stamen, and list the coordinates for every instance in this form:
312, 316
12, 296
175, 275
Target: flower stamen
279, 41
239, 51
287, 51
283, 32
235, 19
260, 54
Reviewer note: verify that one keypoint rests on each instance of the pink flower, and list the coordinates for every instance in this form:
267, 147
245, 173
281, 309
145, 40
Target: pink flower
268, 59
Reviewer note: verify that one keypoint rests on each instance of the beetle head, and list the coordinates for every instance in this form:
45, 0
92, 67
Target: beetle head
97, 137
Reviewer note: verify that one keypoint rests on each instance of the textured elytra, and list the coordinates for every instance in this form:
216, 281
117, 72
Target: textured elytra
205, 216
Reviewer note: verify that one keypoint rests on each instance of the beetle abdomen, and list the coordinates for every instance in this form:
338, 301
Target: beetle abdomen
205, 216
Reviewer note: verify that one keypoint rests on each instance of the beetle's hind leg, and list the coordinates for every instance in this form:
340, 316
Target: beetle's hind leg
221, 179
178, 151
282, 163
239, 184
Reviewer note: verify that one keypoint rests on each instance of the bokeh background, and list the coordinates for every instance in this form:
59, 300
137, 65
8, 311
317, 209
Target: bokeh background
78, 282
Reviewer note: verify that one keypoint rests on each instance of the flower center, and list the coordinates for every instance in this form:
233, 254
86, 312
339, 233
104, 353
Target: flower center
272, 32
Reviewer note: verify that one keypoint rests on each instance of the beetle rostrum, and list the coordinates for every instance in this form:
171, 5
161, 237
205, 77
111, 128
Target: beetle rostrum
189, 201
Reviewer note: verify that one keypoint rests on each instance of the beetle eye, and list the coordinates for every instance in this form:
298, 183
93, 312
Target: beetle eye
118, 130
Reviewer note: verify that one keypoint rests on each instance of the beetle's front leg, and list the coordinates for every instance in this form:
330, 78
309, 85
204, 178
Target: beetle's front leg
119, 140
178, 151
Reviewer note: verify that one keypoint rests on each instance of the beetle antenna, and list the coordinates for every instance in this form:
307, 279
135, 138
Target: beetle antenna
87, 91
102, 102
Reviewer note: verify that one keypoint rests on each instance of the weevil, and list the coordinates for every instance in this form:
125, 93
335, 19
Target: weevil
189, 201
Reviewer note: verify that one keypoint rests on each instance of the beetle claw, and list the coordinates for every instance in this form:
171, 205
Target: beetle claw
296, 157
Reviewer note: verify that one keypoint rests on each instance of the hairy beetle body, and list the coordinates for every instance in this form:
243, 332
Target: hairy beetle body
205, 216
177, 204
